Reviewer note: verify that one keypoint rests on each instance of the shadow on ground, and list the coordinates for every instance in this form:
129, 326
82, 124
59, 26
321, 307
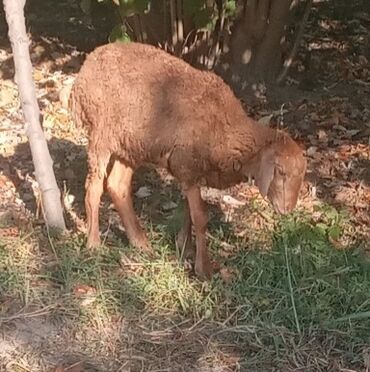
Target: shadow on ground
162, 204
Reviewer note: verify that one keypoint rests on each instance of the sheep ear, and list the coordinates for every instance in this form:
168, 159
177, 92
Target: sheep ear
265, 172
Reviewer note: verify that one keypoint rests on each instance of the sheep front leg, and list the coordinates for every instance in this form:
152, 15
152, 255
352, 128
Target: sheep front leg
119, 188
94, 186
199, 218
184, 239
94, 191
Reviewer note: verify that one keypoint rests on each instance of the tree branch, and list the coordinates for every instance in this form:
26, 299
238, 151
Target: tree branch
288, 62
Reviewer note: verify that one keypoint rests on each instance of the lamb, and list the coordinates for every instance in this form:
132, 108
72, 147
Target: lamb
142, 106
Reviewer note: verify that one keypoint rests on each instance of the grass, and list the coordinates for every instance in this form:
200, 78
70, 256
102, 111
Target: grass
302, 304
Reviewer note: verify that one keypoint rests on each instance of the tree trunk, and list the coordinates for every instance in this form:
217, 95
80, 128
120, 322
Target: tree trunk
257, 37
50, 194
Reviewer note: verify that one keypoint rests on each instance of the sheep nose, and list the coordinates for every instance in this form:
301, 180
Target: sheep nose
284, 208
281, 207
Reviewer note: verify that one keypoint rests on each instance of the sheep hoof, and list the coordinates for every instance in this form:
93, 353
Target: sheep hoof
93, 242
144, 246
147, 249
204, 270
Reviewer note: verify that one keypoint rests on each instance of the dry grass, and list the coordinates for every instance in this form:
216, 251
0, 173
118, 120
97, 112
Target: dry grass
302, 305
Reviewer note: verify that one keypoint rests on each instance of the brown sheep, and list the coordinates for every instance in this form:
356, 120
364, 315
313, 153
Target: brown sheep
140, 106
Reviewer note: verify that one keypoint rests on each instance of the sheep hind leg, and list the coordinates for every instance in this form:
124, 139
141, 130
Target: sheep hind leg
184, 241
94, 187
199, 218
119, 188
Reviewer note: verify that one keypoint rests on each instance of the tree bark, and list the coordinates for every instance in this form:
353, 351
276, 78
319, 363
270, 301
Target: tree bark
256, 42
50, 194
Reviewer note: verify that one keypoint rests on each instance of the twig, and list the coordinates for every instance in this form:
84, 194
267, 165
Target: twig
235, 329
106, 233
137, 28
173, 23
195, 325
33, 314
297, 41
281, 116
149, 264
363, 83
143, 33
180, 23
165, 25
215, 52
233, 314
73, 366
291, 288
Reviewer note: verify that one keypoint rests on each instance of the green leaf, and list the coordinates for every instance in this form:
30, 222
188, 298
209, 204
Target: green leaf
204, 16
230, 6
322, 227
335, 232
331, 213
119, 34
203, 19
131, 7
230, 9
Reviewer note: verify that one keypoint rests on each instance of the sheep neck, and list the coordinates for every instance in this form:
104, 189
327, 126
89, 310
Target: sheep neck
257, 137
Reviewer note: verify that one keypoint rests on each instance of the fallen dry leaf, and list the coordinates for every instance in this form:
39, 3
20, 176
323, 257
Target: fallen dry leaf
227, 274
64, 95
83, 289
265, 120
228, 199
143, 192
169, 205
9, 232
322, 135
311, 150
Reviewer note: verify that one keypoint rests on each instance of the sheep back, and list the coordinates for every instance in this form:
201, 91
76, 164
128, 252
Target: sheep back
148, 107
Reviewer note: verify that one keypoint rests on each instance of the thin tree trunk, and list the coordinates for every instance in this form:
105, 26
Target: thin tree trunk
268, 54
256, 40
50, 194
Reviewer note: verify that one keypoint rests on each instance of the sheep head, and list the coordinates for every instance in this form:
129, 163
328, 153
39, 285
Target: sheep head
279, 169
